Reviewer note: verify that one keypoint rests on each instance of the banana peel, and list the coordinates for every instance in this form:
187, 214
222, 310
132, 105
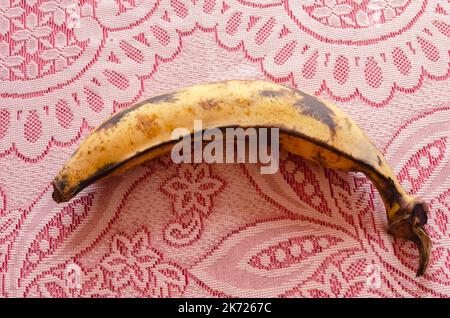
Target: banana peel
309, 127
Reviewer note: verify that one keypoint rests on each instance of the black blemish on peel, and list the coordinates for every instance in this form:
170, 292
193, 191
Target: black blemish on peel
105, 169
100, 173
391, 193
420, 213
75, 152
319, 158
271, 93
58, 189
61, 183
111, 122
313, 107
309, 106
168, 98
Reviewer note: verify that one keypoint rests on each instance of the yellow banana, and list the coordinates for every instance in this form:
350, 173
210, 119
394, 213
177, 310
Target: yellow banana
309, 127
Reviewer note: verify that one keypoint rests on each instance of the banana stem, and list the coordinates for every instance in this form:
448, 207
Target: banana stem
406, 217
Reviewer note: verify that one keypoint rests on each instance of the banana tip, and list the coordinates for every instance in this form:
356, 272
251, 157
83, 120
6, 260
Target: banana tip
57, 194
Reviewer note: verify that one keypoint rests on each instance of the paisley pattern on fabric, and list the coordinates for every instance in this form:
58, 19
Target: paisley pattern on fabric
167, 230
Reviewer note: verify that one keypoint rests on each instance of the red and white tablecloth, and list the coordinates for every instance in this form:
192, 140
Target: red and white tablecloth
306, 231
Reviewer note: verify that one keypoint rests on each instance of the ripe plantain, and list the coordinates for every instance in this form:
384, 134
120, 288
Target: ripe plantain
309, 127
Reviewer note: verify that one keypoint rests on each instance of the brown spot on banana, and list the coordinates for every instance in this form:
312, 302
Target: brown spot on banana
209, 104
315, 108
147, 124
308, 105
272, 93
380, 162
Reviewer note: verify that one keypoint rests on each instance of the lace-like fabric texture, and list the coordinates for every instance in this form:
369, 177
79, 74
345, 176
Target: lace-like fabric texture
304, 232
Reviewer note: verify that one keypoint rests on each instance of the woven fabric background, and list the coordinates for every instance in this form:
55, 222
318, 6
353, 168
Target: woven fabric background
306, 231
